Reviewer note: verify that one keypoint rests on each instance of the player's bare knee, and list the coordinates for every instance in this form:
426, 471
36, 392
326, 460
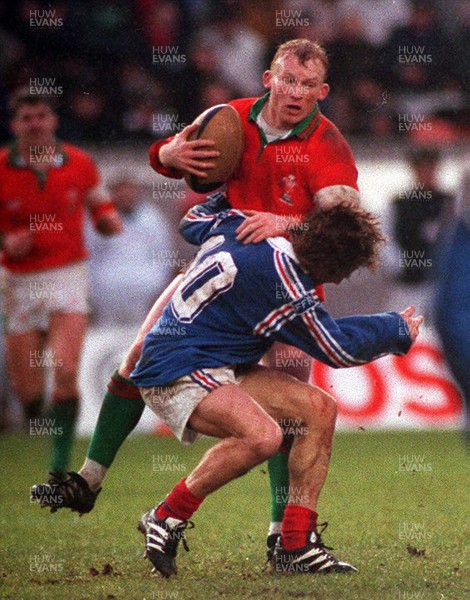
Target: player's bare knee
322, 406
132, 356
66, 380
267, 441
27, 394
28, 388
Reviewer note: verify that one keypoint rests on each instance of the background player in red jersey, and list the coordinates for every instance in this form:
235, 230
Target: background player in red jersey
44, 187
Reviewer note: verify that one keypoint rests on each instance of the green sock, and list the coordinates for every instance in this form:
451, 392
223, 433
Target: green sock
64, 415
120, 412
33, 409
279, 482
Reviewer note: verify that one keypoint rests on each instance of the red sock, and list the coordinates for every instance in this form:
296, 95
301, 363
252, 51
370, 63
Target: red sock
298, 521
180, 503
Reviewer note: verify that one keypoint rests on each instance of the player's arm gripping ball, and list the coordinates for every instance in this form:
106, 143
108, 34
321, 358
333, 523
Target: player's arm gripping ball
189, 156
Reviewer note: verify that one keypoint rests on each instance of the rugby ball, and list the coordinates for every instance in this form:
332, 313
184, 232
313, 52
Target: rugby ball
222, 124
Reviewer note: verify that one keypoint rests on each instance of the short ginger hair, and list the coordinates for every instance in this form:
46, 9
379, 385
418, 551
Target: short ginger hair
304, 50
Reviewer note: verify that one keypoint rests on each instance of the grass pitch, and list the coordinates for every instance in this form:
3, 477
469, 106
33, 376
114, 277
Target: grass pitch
397, 504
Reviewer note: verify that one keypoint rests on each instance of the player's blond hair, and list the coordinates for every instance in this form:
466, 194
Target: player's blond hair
304, 50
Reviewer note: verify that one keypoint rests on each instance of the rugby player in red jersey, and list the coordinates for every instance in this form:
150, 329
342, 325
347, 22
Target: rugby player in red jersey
45, 186
294, 159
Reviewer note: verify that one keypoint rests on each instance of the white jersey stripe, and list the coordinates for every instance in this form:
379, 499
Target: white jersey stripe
291, 285
343, 357
274, 320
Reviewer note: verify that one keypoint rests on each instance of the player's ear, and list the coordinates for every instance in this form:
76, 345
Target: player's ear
325, 88
267, 80
55, 120
13, 126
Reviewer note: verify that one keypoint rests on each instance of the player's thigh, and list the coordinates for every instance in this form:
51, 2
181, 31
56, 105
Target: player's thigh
25, 363
290, 360
231, 411
281, 395
65, 339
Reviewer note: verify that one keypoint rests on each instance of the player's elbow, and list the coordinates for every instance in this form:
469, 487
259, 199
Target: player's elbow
184, 229
343, 362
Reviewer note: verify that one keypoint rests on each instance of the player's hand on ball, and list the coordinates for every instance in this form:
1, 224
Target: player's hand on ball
189, 156
258, 227
412, 322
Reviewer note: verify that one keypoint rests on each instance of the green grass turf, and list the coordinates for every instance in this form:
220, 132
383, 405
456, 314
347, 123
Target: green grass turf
375, 509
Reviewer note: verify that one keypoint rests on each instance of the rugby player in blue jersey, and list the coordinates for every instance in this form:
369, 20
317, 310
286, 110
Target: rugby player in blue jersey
198, 369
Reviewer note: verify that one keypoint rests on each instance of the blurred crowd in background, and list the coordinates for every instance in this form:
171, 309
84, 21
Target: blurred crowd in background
134, 69
126, 73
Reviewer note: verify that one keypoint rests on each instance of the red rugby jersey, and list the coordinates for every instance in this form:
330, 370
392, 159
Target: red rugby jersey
282, 176
50, 205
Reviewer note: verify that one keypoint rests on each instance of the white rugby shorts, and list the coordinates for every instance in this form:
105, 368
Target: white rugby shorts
175, 403
30, 298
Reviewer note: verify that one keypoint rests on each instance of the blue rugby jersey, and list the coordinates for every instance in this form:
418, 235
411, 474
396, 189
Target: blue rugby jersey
236, 300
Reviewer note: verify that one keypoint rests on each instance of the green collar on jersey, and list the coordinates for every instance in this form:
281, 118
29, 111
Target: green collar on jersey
18, 162
302, 130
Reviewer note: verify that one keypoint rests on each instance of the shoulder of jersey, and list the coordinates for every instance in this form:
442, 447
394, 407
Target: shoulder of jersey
242, 105
284, 247
4, 151
76, 152
328, 131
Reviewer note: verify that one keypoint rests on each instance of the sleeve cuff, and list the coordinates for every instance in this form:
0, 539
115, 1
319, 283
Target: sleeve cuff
102, 211
157, 165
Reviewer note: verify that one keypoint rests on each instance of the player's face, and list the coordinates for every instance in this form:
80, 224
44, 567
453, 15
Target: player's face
34, 124
295, 89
